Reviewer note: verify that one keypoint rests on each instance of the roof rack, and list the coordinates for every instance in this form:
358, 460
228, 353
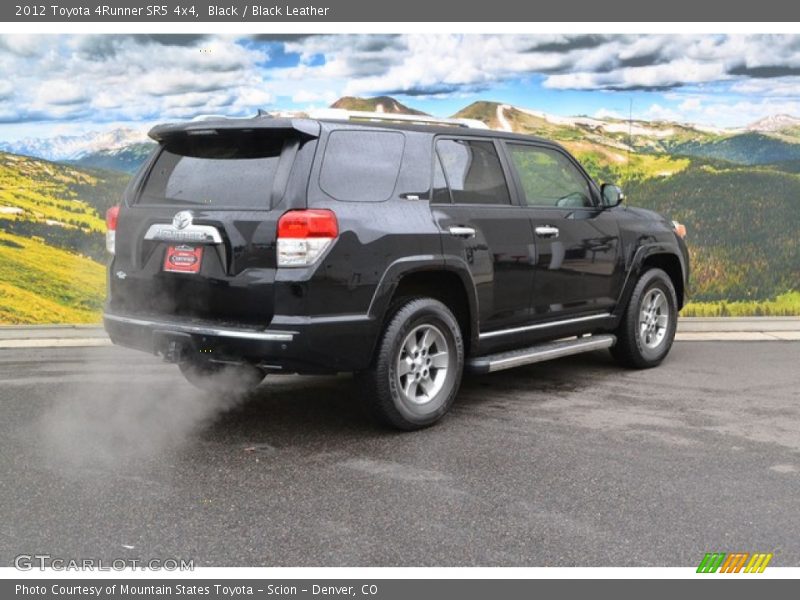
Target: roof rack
212, 117
342, 114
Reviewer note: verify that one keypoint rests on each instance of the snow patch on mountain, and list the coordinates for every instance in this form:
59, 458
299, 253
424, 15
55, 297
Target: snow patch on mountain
73, 147
774, 123
609, 126
501, 117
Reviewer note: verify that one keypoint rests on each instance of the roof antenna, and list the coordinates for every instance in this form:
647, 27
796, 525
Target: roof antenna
630, 135
262, 113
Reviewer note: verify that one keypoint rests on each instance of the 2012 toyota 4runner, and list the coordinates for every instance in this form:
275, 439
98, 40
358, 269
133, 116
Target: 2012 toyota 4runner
399, 248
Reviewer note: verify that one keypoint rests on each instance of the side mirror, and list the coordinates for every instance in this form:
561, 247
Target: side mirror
612, 195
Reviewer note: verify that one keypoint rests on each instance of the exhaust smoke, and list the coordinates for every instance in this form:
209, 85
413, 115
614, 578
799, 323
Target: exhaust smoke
131, 412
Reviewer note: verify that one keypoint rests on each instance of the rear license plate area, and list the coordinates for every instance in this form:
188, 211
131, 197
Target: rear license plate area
183, 259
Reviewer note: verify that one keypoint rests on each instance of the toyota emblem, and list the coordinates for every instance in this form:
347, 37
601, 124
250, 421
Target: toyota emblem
182, 220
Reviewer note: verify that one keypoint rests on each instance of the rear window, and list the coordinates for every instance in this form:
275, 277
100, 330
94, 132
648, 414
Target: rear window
361, 166
232, 171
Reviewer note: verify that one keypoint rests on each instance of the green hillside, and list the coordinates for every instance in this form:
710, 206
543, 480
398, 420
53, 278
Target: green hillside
743, 224
745, 149
52, 246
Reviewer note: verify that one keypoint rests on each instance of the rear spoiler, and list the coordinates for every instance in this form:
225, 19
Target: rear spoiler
305, 127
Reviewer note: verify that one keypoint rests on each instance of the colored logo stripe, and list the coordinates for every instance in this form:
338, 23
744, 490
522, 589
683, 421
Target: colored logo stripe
711, 562
758, 563
734, 562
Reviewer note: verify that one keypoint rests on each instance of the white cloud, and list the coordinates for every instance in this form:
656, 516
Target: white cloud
310, 97
691, 104
28, 45
657, 112
6, 90
783, 87
675, 73
255, 97
59, 92
416, 63
141, 77
128, 78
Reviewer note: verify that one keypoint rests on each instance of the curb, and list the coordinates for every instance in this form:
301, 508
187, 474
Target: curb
738, 324
690, 329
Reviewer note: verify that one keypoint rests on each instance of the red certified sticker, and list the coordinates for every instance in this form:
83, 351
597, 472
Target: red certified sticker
183, 259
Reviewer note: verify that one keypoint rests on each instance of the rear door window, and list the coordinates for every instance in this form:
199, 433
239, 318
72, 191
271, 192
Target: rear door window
473, 171
361, 166
230, 171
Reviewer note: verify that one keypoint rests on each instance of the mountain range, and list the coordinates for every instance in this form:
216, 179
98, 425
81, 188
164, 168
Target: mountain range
772, 139
74, 147
737, 190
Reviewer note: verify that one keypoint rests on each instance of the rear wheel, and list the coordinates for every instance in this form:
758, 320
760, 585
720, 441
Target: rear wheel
417, 368
221, 378
647, 330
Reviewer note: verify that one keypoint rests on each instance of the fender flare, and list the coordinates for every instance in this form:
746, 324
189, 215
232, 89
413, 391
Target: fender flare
642, 253
405, 266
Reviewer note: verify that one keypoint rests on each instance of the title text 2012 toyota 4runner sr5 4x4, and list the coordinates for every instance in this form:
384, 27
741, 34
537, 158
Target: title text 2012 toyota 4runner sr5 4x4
403, 249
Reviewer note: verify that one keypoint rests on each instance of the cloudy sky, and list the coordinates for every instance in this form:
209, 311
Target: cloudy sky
51, 84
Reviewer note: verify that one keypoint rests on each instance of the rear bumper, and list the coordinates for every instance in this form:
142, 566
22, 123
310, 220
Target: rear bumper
289, 344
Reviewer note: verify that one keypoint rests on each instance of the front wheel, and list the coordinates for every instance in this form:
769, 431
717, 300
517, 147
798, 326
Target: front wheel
647, 330
417, 368
221, 378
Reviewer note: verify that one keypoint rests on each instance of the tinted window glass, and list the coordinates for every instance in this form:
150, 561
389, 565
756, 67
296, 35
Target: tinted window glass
549, 178
361, 166
225, 171
473, 172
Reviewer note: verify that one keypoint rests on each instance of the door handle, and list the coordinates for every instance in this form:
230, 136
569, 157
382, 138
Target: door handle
462, 232
547, 231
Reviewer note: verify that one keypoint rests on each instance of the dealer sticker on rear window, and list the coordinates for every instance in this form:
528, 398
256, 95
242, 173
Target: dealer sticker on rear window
183, 259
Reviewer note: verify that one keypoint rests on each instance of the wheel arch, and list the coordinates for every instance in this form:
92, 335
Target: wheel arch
655, 256
671, 265
433, 278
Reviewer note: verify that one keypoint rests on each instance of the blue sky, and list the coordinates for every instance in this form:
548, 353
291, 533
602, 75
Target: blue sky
56, 85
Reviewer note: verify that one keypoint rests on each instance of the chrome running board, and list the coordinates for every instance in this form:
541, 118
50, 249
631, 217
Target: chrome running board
539, 353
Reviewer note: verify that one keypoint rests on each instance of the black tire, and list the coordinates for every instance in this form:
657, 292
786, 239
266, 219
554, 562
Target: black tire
411, 390
221, 378
640, 343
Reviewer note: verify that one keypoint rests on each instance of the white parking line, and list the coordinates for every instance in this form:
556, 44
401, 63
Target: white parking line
786, 335
54, 342
737, 336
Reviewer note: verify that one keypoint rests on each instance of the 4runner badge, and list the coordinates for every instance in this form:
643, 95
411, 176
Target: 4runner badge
182, 220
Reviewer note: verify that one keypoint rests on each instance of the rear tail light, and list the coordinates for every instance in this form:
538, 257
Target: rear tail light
304, 235
111, 227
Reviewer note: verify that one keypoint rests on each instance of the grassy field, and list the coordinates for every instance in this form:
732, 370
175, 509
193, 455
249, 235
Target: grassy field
785, 305
51, 241
46, 191
43, 284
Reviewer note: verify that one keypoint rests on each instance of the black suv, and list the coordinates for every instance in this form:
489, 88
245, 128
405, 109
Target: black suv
399, 248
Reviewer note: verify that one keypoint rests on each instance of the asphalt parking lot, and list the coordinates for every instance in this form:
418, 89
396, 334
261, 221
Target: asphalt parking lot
108, 453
